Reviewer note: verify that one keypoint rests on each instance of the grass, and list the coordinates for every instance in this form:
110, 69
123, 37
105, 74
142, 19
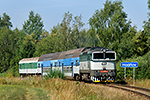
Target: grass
145, 83
59, 89
14, 92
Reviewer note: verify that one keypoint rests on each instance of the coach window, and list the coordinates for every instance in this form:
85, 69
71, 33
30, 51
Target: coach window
19, 66
55, 64
38, 65
76, 62
33, 65
25, 66
59, 64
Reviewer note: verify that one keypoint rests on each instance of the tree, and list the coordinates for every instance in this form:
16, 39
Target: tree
28, 47
109, 23
125, 48
91, 39
33, 25
5, 21
77, 32
147, 25
33, 28
140, 43
65, 36
8, 47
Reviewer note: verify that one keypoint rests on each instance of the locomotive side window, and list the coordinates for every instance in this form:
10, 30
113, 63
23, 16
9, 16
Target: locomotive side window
98, 56
110, 55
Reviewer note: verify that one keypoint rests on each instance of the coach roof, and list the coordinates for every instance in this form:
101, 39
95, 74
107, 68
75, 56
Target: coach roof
61, 55
29, 60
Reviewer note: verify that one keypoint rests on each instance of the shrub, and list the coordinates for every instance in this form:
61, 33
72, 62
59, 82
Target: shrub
54, 74
143, 70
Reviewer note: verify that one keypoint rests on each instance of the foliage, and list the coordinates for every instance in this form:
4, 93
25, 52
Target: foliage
9, 48
141, 72
147, 25
33, 28
110, 23
54, 74
65, 36
5, 21
33, 25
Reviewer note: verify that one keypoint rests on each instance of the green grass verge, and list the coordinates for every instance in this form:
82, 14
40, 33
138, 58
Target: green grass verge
15, 92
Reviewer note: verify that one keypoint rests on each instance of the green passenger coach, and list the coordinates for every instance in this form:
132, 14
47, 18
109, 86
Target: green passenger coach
29, 66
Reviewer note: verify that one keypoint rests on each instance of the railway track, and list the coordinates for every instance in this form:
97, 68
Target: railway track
138, 90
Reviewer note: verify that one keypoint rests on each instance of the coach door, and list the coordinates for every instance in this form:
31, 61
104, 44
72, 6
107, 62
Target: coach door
62, 67
42, 69
68, 70
72, 69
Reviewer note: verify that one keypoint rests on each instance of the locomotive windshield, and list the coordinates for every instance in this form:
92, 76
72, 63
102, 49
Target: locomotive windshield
103, 56
98, 56
110, 55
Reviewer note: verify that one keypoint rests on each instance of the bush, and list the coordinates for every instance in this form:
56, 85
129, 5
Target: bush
54, 74
143, 70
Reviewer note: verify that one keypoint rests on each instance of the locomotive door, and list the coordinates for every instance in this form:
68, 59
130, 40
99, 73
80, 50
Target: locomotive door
88, 62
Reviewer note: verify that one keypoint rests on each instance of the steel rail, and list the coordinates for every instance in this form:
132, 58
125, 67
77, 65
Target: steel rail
129, 88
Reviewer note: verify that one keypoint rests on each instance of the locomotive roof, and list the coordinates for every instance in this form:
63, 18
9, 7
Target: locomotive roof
29, 60
61, 55
99, 49
93, 49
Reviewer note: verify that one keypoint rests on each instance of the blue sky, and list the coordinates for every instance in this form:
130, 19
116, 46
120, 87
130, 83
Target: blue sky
52, 11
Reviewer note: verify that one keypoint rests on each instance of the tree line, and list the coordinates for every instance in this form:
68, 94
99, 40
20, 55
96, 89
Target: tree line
109, 27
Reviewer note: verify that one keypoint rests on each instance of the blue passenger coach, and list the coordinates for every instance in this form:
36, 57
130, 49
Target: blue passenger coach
67, 62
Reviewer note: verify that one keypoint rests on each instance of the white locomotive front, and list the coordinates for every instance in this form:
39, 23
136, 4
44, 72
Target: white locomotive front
98, 64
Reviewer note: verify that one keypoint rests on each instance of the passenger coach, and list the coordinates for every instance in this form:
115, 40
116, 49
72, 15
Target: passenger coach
28, 66
67, 62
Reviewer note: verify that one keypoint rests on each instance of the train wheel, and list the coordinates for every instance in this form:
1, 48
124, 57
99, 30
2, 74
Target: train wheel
77, 77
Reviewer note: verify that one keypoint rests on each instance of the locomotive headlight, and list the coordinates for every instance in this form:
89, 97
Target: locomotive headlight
104, 50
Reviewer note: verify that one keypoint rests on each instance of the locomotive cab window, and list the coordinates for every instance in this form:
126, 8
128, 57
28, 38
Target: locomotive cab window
98, 56
110, 55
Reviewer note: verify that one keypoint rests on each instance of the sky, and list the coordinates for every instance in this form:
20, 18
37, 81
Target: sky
52, 11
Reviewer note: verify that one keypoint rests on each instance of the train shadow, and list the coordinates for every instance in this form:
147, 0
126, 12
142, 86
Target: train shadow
121, 82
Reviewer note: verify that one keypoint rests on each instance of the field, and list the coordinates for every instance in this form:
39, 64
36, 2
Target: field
58, 89
145, 83
15, 92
